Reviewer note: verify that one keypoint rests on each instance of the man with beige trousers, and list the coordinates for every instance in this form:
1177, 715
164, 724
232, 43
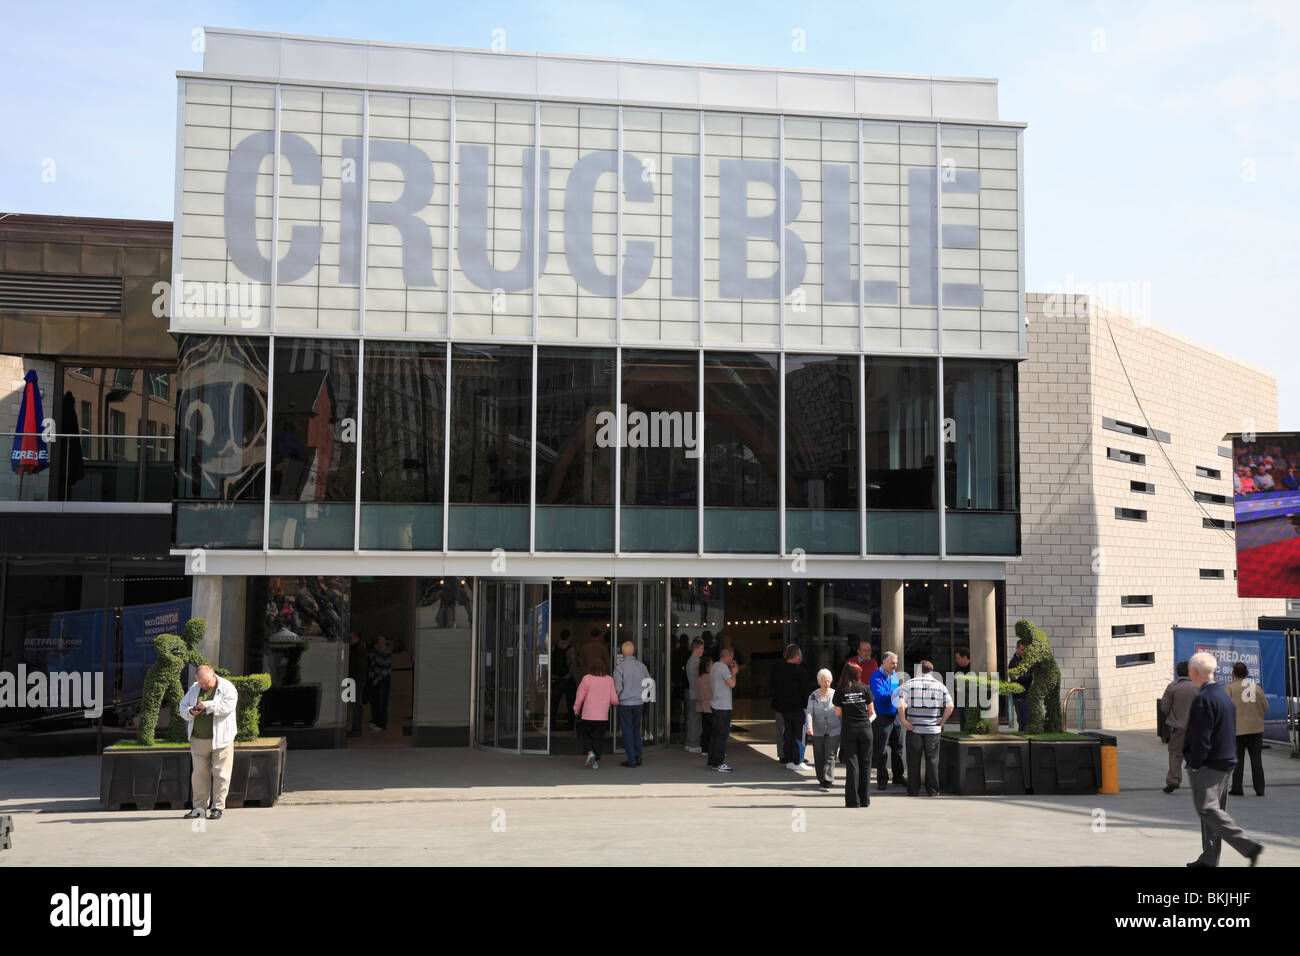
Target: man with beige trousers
1176, 704
209, 711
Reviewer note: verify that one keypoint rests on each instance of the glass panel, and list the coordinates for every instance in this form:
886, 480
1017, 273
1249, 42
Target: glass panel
491, 430
221, 440
980, 466
494, 223
821, 245
580, 633
499, 663
653, 644
576, 290
742, 459
444, 626
225, 123
900, 452
407, 203
535, 664
741, 229
928, 612
320, 151
300, 640
402, 446
973, 532
828, 619
661, 215
660, 399
899, 236
575, 456
54, 620
313, 446
821, 420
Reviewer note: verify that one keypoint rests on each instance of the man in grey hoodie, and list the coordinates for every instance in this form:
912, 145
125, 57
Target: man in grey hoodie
631, 681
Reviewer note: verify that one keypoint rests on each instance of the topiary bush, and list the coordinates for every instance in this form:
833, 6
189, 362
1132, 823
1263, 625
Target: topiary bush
162, 687
247, 713
1045, 689
972, 720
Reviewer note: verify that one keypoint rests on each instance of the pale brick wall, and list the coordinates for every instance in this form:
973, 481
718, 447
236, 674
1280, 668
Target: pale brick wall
1073, 378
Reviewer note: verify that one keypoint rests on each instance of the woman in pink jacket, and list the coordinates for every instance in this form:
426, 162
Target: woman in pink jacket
596, 695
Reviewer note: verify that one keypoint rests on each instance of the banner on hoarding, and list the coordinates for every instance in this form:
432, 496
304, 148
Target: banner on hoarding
1263, 653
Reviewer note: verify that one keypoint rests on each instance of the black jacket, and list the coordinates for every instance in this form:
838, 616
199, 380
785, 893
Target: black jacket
1211, 739
791, 685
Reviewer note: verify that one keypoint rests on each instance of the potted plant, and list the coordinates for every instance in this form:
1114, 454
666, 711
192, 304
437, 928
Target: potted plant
978, 760
149, 773
1059, 762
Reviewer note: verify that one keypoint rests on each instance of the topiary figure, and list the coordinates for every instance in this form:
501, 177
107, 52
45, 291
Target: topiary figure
1045, 689
162, 686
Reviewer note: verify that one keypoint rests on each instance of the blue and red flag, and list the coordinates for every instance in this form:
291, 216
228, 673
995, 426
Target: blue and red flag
30, 455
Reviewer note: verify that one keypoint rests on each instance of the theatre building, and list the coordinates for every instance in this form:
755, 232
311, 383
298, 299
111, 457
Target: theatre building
511, 358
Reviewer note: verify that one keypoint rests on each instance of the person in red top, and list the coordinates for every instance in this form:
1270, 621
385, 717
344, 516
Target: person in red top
866, 663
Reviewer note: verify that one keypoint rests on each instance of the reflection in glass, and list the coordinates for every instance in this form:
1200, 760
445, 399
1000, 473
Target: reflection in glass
660, 395
980, 464
221, 394
901, 413
575, 461
821, 420
313, 444
742, 458
402, 447
491, 431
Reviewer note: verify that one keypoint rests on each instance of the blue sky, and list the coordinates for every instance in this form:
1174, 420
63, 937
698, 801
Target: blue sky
1162, 157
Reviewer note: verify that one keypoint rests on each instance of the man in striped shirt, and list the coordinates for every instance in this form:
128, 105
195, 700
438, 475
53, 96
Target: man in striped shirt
923, 706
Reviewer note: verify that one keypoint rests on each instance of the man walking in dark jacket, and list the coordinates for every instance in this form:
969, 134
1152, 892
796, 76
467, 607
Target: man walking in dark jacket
791, 685
1210, 748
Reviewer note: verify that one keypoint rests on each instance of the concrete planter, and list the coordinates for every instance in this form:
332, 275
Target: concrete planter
1065, 766
984, 765
154, 778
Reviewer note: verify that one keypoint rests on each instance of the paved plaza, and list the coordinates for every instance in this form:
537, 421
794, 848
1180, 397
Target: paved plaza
453, 806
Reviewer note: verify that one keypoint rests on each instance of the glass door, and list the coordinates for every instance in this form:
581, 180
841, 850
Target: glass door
498, 663
514, 671
535, 668
641, 617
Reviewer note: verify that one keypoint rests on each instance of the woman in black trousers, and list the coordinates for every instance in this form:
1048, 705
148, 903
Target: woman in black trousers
853, 698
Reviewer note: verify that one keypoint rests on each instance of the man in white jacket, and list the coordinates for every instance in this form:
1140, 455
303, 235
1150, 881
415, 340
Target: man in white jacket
209, 711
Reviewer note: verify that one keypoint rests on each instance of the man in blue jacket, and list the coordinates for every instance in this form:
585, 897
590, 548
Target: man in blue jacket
886, 730
1210, 749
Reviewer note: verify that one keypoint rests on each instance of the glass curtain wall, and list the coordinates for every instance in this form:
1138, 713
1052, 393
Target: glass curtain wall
575, 454
313, 444
901, 408
659, 480
404, 403
221, 405
491, 437
980, 464
742, 452
821, 453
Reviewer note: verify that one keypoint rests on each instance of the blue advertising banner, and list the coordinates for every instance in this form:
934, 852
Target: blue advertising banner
1264, 654
73, 642
141, 623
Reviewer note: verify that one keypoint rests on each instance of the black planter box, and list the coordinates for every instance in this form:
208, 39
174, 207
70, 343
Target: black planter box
1065, 766
158, 778
984, 765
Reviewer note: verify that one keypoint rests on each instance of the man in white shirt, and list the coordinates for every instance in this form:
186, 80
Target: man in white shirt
208, 709
923, 706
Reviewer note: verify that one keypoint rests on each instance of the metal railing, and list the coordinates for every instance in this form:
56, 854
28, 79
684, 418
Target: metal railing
110, 468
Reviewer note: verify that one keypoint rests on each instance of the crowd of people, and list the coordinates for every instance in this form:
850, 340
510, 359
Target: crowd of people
1265, 468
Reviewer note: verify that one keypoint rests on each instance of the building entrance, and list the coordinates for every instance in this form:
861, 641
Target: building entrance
537, 639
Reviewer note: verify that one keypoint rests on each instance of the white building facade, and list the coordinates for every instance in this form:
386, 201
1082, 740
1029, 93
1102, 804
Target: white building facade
1128, 498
